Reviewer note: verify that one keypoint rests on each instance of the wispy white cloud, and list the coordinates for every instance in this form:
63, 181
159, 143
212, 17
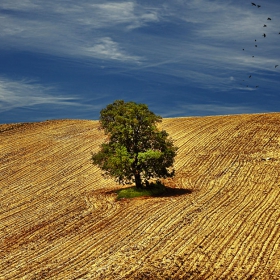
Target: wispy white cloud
106, 48
109, 14
106, 29
217, 31
26, 93
197, 41
65, 29
19, 5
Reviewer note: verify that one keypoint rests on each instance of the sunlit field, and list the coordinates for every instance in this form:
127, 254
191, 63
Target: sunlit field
60, 219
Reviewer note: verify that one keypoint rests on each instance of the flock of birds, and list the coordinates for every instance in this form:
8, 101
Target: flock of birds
264, 35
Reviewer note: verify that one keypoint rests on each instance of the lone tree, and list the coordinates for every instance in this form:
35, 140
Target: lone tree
136, 150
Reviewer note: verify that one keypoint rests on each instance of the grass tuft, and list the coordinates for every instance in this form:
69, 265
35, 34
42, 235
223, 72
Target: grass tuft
154, 189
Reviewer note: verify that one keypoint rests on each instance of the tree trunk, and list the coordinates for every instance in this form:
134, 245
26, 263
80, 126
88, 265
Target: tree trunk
138, 180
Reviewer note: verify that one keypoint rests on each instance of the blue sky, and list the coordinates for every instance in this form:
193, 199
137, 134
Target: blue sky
69, 59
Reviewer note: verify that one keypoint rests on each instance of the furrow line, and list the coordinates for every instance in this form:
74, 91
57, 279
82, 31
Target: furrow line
261, 207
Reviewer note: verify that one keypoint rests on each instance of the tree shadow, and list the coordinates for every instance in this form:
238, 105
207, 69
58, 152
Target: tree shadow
174, 192
154, 190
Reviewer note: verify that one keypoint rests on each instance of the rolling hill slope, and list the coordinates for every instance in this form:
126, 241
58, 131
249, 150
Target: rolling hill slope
59, 218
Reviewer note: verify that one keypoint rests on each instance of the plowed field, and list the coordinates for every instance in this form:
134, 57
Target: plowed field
59, 218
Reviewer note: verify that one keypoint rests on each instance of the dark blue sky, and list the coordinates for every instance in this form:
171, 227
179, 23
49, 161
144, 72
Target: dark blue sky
69, 59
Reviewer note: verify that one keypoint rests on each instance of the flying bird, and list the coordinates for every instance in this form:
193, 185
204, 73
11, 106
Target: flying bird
250, 76
269, 18
276, 66
259, 6
253, 4
264, 35
256, 46
264, 25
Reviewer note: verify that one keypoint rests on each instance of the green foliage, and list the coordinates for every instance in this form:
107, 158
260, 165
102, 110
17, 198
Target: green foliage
136, 151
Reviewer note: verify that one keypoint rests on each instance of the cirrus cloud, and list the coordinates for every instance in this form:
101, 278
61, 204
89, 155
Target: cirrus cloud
25, 93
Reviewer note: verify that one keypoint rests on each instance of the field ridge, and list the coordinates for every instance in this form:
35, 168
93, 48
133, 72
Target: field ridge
59, 218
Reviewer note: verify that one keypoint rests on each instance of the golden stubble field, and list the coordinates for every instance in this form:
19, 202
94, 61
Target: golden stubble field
59, 218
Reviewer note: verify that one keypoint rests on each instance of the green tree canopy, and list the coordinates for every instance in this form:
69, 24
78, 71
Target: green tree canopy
136, 150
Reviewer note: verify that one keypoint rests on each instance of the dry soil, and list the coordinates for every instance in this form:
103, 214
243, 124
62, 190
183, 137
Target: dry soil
59, 218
